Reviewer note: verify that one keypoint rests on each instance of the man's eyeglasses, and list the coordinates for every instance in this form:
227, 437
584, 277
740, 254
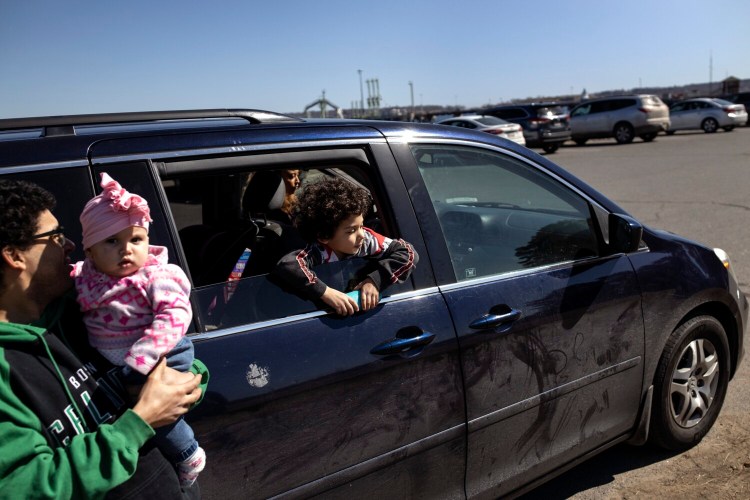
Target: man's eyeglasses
57, 234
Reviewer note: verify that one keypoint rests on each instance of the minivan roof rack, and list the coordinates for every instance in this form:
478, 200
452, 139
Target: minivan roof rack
65, 124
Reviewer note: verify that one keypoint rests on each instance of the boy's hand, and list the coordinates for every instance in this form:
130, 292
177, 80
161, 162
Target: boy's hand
369, 295
340, 302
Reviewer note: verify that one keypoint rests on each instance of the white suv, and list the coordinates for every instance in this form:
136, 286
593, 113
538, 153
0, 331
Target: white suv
621, 117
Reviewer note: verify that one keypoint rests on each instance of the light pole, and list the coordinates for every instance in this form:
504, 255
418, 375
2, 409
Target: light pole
411, 89
361, 95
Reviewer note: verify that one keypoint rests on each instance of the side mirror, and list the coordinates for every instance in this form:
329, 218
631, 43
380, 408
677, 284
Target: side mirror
625, 233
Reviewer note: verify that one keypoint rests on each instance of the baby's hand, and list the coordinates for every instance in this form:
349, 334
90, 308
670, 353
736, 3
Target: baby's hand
340, 302
369, 295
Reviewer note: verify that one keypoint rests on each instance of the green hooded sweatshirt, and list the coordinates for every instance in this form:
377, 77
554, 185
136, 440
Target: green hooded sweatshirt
65, 427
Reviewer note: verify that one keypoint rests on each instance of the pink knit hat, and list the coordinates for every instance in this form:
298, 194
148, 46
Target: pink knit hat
112, 211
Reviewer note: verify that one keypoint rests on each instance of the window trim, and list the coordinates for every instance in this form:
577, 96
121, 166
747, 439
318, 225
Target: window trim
229, 150
256, 162
259, 325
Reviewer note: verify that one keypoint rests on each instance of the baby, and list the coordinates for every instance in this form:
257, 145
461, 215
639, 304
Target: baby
136, 305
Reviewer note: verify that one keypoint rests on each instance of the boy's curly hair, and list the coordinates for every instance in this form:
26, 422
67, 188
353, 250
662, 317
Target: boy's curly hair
324, 205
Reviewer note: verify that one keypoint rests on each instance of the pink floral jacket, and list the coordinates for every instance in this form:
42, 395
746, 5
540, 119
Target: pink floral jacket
137, 319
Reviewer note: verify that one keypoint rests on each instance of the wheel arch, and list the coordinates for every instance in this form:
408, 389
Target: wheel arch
724, 315
726, 318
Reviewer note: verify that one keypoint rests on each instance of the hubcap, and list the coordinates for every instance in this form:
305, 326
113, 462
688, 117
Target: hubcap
694, 383
622, 134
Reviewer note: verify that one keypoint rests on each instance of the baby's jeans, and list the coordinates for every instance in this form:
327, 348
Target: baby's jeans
176, 440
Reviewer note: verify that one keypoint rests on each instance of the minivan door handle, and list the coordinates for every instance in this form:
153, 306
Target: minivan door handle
402, 344
491, 319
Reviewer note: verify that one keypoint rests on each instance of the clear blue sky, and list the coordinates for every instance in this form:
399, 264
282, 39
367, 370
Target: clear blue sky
78, 56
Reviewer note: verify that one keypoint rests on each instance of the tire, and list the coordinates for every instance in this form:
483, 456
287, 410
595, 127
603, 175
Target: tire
690, 383
550, 147
580, 142
728, 128
623, 133
710, 125
648, 137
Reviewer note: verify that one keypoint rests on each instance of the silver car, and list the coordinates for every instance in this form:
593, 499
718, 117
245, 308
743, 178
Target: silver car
707, 114
489, 124
621, 117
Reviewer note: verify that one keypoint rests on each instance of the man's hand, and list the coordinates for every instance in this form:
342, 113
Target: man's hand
369, 295
166, 395
340, 302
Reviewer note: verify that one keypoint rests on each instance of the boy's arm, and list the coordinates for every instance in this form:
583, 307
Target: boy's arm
395, 259
295, 269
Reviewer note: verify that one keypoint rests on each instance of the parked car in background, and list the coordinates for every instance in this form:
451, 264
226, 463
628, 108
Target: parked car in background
621, 117
489, 124
707, 114
541, 325
739, 98
545, 125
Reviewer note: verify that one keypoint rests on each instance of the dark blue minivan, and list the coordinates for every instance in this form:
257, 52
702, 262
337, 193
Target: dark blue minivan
542, 324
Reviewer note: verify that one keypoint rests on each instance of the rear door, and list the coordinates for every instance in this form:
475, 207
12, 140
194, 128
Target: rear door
300, 403
549, 324
678, 115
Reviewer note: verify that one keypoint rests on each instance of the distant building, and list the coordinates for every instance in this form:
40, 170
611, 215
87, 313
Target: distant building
730, 85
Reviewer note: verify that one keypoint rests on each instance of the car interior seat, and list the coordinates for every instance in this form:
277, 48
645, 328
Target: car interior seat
464, 234
265, 194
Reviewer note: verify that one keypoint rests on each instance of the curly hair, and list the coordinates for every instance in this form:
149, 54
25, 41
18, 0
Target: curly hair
21, 203
324, 205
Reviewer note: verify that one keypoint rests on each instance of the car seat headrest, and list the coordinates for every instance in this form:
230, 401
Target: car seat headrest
264, 192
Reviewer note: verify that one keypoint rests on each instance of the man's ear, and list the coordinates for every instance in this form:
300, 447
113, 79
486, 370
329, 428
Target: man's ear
13, 257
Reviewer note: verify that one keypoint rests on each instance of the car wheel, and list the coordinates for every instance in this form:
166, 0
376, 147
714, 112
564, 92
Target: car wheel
623, 133
709, 125
580, 142
550, 148
690, 384
648, 137
728, 128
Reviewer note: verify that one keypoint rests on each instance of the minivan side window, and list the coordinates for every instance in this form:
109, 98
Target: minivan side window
498, 214
232, 236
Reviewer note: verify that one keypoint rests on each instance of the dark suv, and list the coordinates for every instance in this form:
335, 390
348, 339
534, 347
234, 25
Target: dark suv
541, 325
545, 125
740, 98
